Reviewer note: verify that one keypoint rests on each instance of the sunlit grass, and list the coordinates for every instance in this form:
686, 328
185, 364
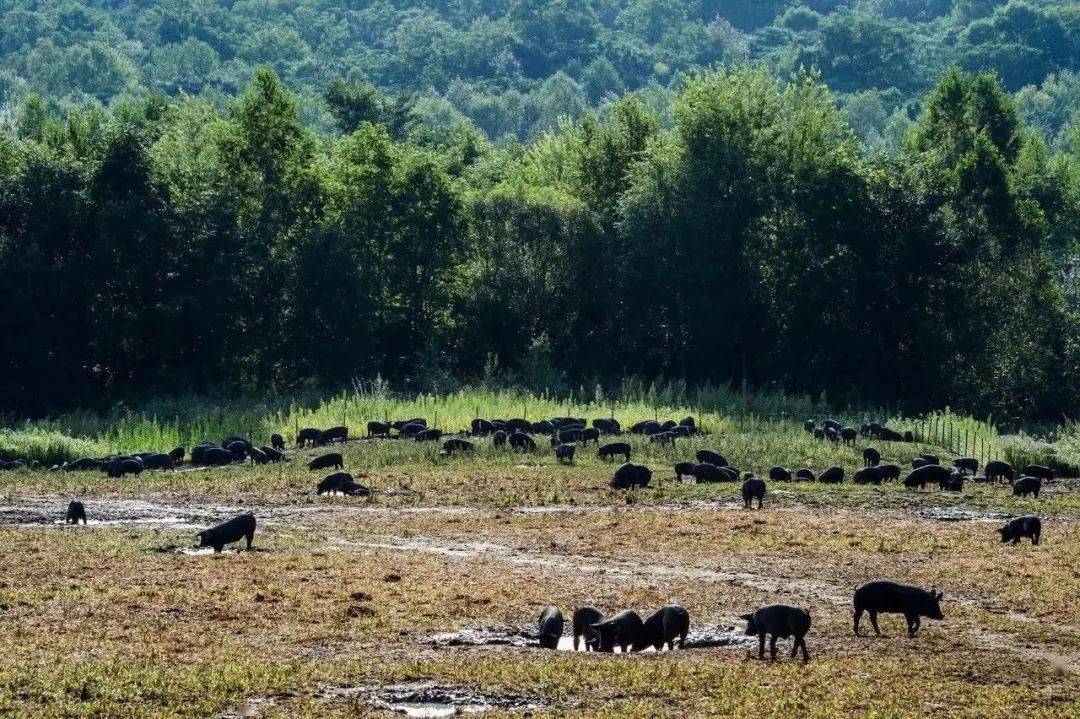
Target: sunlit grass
163, 424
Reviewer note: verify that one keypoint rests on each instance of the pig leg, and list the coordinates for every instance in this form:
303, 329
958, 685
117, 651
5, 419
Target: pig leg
913, 622
795, 647
805, 653
873, 622
250, 537
858, 616
761, 645
1034, 537
772, 648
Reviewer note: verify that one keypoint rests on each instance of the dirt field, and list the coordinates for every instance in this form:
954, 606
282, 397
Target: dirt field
421, 600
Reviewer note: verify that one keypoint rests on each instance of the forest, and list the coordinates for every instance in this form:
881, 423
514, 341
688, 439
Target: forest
165, 246
511, 68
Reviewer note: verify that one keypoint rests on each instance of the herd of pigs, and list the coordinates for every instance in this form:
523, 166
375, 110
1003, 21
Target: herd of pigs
625, 630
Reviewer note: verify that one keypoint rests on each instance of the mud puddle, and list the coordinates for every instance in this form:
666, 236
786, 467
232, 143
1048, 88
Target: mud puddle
428, 699
955, 514
246, 709
703, 638
49, 511
193, 551
577, 564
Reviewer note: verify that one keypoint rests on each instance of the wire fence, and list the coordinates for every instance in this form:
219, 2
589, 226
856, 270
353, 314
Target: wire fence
940, 432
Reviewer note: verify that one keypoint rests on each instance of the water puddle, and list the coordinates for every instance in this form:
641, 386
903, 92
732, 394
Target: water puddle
246, 709
428, 699
709, 637
47, 511
190, 551
481, 638
152, 522
24, 515
955, 514
703, 638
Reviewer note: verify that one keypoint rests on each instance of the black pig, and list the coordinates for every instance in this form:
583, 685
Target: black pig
628, 476
237, 528
663, 628
609, 450
893, 598
781, 621
551, 628
1016, 529
326, 461
753, 488
584, 618
76, 512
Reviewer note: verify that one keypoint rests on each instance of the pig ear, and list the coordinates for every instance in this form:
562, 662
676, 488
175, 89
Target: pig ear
939, 595
747, 617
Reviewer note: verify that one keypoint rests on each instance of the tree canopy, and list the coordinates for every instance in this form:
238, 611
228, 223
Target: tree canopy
741, 233
512, 67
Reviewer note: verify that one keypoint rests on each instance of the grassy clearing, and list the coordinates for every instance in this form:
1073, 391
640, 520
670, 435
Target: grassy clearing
110, 620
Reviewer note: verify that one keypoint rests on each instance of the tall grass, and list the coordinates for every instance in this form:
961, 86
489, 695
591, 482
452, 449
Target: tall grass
43, 445
163, 424
959, 434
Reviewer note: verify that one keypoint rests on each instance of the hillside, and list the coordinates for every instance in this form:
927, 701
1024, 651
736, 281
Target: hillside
512, 67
